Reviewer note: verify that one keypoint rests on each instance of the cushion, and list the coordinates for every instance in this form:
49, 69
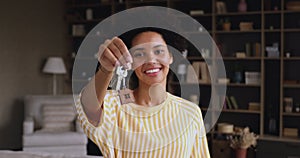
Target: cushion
40, 139
27, 154
58, 117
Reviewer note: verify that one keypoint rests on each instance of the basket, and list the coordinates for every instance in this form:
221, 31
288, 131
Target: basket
293, 5
252, 77
246, 26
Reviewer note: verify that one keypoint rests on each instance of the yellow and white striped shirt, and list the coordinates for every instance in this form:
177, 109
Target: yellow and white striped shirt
171, 129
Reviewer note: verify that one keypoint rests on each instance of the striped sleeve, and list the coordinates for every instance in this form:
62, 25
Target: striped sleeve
89, 129
200, 147
97, 134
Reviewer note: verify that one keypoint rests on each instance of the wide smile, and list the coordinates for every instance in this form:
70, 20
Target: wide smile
152, 71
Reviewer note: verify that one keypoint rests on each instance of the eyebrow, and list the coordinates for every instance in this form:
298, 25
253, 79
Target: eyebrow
137, 49
141, 48
160, 45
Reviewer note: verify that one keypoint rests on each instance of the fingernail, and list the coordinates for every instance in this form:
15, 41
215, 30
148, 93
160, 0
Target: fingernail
129, 59
125, 66
129, 66
117, 63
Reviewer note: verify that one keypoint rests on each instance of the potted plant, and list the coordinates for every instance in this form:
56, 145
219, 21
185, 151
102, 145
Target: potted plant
225, 23
242, 140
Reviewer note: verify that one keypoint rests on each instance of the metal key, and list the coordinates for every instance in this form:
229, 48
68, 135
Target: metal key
121, 73
125, 94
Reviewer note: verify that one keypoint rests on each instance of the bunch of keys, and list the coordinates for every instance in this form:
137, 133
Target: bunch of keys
125, 94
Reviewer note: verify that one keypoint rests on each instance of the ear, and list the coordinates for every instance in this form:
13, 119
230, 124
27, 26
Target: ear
171, 58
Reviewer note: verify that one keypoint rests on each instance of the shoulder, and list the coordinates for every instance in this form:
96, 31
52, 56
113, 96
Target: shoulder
185, 105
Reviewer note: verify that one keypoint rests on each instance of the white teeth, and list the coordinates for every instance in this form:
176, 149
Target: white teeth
152, 71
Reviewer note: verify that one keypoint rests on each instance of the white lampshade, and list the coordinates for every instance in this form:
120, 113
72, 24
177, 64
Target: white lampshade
55, 65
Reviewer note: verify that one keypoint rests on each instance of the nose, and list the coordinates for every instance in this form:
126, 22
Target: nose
151, 58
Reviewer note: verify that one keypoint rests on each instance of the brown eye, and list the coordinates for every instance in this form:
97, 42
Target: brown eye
159, 51
138, 54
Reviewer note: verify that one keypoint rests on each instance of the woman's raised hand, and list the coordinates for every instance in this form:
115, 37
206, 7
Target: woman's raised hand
113, 53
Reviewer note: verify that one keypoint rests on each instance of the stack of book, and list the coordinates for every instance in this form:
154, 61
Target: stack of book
253, 106
290, 132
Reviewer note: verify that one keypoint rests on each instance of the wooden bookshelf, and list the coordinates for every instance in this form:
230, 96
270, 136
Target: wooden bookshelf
270, 26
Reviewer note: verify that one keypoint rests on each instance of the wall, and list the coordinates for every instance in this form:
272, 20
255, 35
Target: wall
30, 31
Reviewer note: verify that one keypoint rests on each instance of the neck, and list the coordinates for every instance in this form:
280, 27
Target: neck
150, 95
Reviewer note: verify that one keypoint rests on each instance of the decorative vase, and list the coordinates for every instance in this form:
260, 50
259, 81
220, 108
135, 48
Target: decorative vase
238, 77
241, 153
242, 7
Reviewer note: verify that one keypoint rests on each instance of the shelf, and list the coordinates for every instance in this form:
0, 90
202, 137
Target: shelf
237, 31
246, 58
291, 58
241, 111
291, 11
234, 111
241, 85
291, 114
272, 12
271, 58
291, 30
225, 58
277, 138
198, 58
239, 13
272, 30
201, 15
291, 85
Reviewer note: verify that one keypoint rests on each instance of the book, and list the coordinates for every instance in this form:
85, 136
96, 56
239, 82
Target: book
191, 76
257, 49
196, 66
228, 103
196, 12
233, 102
204, 76
248, 49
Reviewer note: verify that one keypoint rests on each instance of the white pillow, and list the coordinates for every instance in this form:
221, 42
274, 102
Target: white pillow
58, 117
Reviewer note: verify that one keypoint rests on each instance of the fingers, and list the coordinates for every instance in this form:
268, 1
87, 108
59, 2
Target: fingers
114, 53
117, 53
108, 60
122, 47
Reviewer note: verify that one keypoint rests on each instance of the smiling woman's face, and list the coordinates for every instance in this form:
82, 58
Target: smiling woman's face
151, 58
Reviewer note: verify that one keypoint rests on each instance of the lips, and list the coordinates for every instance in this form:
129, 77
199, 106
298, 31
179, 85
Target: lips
152, 71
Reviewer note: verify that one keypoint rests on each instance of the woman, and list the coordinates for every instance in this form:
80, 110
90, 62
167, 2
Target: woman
156, 123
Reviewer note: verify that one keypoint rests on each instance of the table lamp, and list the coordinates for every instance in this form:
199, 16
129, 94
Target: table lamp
54, 65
